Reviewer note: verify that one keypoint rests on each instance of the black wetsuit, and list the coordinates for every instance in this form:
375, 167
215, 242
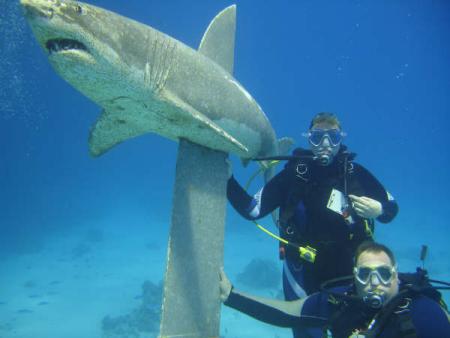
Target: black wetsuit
302, 191
417, 316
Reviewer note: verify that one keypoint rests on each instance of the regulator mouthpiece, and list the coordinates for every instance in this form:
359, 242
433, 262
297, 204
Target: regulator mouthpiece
374, 300
324, 159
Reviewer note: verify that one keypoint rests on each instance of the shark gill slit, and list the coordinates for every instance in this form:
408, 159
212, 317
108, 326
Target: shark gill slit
159, 64
165, 62
169, 60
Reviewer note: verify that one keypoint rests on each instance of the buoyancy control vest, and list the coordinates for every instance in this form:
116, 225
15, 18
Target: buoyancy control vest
352, 316
294, 224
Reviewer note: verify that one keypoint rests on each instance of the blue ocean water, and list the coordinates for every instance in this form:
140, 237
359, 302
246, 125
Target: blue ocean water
382, 66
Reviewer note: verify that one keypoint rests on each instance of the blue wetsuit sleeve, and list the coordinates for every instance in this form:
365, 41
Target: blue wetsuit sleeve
275, 316
429, 318
263, 202
376, 191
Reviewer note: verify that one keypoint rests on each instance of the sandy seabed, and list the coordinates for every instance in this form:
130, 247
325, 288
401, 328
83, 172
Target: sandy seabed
78, 277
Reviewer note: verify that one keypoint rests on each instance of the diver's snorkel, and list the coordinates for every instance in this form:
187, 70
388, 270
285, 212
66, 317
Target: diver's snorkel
423, 255
324, 159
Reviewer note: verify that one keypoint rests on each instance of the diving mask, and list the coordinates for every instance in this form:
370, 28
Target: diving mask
316, 136
384, 273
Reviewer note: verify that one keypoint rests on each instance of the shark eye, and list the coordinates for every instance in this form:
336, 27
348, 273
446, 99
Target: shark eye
78, 9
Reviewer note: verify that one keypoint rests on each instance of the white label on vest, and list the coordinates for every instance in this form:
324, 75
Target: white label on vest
337, 202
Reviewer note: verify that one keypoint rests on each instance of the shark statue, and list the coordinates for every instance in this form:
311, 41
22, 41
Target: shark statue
146, 81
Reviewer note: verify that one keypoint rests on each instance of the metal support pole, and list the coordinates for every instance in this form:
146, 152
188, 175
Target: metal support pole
191, 305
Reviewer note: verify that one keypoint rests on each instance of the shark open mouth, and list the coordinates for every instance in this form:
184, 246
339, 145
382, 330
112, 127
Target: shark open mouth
57, 45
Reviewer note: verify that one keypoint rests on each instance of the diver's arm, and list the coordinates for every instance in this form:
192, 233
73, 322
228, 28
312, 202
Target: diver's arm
366, 207
390, 210
275, 312
263, 202
376, 191
429, 318
270, 311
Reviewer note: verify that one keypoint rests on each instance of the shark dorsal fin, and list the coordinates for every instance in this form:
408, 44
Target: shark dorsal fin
218, 41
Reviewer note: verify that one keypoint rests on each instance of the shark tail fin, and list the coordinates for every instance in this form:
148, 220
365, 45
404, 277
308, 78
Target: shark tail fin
218, 41
284, 144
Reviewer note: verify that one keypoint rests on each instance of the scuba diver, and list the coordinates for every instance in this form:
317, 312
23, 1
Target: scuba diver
327, 207
378, 302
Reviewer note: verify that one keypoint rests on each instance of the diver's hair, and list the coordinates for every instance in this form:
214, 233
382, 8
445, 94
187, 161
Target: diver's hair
374, 247
324, 117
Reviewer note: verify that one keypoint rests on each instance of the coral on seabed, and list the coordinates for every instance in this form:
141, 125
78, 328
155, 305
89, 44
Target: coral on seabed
142, 320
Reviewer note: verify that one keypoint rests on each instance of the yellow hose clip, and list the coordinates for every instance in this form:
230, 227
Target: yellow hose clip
307, 253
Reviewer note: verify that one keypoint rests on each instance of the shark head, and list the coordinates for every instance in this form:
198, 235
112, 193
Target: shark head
83, 43
53, 23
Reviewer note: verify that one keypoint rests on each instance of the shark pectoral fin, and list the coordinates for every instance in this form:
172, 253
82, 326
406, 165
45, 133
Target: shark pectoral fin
109, 130
117, 124
218, 41
206, 131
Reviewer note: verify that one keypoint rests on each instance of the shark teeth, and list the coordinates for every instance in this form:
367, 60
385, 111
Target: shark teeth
57, 45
